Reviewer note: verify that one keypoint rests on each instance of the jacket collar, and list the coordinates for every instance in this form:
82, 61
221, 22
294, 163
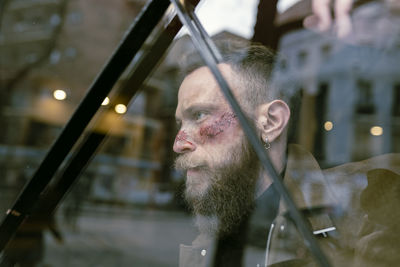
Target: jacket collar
306, 184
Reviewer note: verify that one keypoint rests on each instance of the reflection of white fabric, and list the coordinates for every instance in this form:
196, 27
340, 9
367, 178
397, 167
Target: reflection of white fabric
283, 5
238, 16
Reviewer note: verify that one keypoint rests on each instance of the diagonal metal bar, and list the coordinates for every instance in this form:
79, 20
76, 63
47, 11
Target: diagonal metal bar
212, 57
81, 158
127, 49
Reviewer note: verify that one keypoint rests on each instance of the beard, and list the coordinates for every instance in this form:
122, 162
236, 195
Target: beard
227, 193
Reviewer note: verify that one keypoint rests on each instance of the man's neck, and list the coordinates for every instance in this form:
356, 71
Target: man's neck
263, 183
278, 158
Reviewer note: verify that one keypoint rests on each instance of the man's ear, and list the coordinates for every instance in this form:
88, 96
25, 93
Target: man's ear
272, 119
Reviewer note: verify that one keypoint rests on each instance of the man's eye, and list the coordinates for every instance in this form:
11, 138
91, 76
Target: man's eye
199, 116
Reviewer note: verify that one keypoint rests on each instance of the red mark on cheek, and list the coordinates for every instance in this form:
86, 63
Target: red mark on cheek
218, 126
182, 136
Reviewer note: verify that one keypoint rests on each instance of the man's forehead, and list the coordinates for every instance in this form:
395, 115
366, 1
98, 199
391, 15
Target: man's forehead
200, 87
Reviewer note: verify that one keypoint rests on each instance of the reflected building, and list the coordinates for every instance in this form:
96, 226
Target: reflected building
349, 91
51, 45
349, 87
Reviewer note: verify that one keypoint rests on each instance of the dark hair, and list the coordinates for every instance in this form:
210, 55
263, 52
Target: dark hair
253, 64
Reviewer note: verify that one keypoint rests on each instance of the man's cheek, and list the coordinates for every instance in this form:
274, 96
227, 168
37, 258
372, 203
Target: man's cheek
215, 130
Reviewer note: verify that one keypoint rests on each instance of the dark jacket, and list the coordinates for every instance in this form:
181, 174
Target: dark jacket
352, 210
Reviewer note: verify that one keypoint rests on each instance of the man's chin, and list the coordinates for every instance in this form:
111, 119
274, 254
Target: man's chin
198, 174
193, 172
195, 192
197, 183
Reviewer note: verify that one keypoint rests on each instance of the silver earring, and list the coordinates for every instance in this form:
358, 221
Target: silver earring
267, 144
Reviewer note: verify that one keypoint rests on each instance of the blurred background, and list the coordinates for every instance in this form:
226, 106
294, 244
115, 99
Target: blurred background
126, 209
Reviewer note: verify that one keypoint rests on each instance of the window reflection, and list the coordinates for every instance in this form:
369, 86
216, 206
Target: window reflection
365, 104
396, 99
128, 207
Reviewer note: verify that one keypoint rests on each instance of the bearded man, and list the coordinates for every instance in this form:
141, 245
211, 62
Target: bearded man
227, 188
224, 176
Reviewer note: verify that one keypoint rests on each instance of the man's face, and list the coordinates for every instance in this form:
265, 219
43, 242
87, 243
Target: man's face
209, 128
213, 150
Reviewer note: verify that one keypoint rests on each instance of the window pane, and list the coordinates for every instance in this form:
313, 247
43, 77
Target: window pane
174, 180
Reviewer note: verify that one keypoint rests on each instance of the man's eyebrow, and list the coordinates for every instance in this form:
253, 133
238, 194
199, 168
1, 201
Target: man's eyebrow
200, 107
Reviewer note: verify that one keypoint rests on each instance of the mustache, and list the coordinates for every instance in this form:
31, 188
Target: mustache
185, 162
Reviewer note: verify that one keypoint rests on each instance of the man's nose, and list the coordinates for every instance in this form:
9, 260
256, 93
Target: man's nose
182, 144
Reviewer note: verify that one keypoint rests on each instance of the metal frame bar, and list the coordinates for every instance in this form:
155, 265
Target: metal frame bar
101, 87
212, 57
37, 192
83, 155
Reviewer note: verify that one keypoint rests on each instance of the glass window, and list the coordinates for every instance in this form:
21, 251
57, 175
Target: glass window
396, 99
326, 50
365, 100
302, 58
163, 174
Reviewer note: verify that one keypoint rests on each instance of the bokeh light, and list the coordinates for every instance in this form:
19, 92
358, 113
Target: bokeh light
328, 126
376, 130
120, 108
106, 101
60, 94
